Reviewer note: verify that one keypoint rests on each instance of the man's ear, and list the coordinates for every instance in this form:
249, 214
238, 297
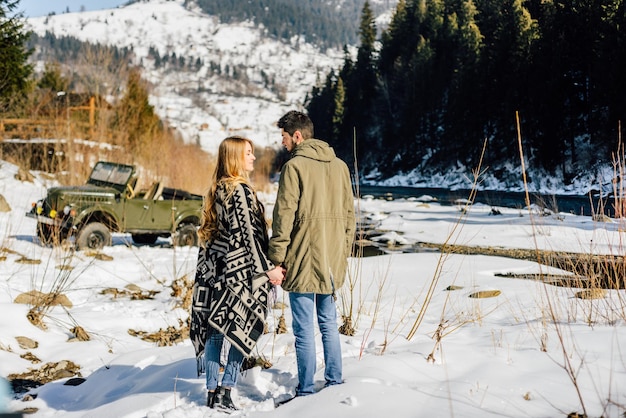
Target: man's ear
297, 136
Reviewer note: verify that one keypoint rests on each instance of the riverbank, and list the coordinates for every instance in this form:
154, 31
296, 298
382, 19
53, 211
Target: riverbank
577, 204
586, 270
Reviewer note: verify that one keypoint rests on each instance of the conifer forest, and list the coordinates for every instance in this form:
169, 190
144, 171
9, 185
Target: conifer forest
446, 77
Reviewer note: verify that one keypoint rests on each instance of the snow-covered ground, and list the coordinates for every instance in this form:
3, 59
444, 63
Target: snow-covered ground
535, 350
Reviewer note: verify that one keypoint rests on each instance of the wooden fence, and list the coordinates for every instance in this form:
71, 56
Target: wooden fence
45, 143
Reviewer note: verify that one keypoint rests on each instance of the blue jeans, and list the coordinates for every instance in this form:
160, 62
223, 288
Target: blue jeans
212, 354
302, 310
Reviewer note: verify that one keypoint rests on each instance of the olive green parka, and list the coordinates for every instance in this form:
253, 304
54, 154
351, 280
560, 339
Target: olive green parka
313, 220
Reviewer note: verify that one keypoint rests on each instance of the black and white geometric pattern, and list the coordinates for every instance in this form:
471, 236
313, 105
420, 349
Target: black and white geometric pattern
231, 289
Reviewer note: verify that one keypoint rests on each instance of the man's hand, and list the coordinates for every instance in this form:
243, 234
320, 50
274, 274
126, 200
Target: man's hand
277, 275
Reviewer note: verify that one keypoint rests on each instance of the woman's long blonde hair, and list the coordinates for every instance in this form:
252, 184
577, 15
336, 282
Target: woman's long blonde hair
229, 171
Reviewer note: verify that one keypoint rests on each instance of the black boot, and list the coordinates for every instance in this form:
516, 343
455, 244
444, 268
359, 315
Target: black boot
226, 401
211, 398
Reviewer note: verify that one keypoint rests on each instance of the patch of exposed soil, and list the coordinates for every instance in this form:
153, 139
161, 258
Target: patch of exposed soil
164, 337
23, 382
132, 291
37, 298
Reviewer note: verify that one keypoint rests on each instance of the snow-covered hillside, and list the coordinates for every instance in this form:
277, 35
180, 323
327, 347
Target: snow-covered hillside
203, 106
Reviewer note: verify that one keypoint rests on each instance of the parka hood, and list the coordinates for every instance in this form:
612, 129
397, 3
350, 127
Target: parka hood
315, 150
313, 221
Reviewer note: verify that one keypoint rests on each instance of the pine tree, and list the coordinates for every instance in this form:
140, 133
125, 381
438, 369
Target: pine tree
365, 68
320, 107
14, 68
338, 112
52, 79
459, 51
367, 36
558, 79
135, 116
360, 81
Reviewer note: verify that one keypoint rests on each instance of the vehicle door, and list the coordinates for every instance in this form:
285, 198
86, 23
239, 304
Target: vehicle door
165, 212
138, 213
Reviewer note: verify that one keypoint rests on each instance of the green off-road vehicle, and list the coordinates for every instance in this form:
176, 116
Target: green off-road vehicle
109, 203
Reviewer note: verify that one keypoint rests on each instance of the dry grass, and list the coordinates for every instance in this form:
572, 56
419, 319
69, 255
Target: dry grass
179, 165
164, 337
182, 290
263, 167
46, 293
452, 236
596, 272
594, 285
165, 158
348, 327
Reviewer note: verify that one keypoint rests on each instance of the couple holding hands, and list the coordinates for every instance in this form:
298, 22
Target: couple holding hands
313, 227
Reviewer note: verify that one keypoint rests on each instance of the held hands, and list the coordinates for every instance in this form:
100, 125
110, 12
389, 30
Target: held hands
276, 275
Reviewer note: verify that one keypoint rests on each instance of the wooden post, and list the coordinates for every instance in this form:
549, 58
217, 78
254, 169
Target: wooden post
92, 115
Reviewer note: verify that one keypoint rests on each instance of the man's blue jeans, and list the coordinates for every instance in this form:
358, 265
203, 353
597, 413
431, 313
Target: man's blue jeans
303, 307
212, 354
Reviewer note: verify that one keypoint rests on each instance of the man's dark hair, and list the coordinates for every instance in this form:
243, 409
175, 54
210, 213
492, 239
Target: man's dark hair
293, 121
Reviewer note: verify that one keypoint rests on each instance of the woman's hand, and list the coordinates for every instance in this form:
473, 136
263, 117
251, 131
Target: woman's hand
276, 275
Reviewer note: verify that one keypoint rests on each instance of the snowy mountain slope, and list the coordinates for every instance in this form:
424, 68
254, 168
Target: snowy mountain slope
203, 105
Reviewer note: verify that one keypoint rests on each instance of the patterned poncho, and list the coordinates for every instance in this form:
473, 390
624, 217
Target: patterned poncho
231, 289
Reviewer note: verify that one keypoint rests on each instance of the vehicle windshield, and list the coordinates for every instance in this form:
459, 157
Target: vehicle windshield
110, 174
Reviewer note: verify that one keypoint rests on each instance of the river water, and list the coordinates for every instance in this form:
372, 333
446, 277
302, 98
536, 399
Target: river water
578, 205
608, 273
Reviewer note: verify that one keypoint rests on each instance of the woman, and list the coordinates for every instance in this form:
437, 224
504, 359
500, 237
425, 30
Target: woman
233, 276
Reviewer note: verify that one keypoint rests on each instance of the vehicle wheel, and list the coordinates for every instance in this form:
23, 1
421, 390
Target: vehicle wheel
93, 236
144, 238
186, 235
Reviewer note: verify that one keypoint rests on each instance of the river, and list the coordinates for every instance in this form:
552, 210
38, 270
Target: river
578, 205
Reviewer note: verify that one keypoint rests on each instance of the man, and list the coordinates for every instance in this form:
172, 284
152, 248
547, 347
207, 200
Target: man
312, 232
